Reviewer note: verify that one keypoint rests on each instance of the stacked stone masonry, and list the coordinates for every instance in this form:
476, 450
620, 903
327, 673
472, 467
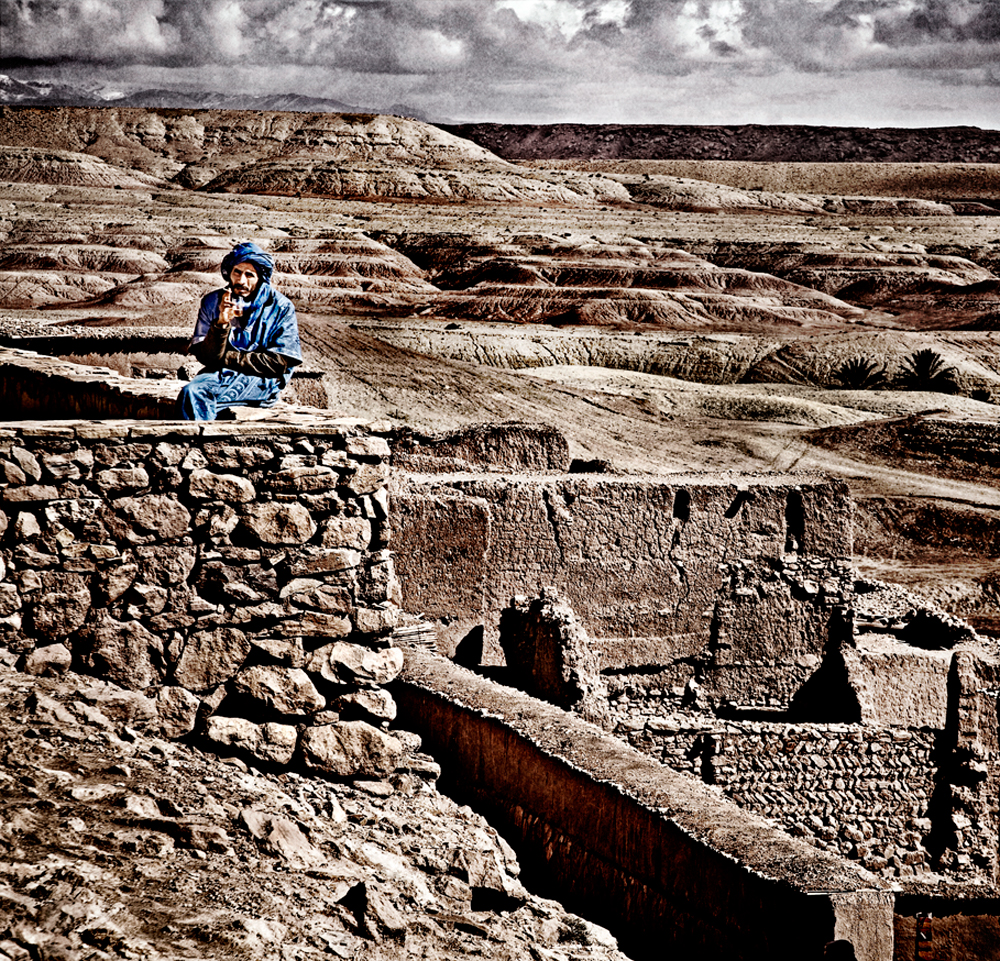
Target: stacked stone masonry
239, 574
863, 793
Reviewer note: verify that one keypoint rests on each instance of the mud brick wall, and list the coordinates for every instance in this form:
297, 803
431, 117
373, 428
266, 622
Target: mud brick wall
863, 793
36, 386
658, 857
237, 574
975, 772
739, 577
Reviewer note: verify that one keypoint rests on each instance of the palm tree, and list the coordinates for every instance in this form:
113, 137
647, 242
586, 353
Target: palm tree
859, 373
926, 370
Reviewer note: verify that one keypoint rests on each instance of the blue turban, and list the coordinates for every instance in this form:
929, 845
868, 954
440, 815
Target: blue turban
249, 253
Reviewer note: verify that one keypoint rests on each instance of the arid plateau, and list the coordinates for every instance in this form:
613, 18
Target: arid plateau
743, 322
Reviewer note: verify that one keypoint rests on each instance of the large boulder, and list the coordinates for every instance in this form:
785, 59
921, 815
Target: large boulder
350, 749
210, 658
270, 742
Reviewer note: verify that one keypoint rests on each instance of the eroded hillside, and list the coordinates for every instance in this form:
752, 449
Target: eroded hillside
662, 322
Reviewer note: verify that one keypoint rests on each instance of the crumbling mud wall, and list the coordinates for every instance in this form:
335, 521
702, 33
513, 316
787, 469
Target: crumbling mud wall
239, 574
908, 788
732, 581
550, 654
38, 387
657, 857
508, 446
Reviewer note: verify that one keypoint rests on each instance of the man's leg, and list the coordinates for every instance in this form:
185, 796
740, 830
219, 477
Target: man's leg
205, 395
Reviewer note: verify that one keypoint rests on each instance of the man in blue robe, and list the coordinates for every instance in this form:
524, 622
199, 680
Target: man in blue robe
247, 337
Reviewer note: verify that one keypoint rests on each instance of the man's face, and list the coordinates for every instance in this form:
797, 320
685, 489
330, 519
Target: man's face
243, 278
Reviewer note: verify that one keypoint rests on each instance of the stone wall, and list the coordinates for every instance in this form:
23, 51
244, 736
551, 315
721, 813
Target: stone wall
657, 857
239, 574
911, 791
861, 792
734, 580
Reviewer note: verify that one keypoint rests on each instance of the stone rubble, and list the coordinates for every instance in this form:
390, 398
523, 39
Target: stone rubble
117, 843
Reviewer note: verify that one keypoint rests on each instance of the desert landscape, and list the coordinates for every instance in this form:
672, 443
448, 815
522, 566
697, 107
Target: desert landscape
664, 321
668, 310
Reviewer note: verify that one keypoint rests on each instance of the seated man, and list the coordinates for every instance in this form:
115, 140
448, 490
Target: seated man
247, 337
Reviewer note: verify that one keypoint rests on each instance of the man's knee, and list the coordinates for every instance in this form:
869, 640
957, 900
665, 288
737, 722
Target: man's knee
196, 399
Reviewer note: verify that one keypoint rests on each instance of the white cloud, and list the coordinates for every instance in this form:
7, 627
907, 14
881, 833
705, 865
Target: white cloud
542, 59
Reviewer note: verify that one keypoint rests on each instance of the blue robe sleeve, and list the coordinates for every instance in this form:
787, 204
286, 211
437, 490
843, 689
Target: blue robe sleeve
207, 313
284, 337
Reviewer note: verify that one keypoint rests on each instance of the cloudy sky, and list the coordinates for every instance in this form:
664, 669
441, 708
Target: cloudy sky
853, 62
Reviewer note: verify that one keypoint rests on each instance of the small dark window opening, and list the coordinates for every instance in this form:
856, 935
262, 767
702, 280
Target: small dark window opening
795, 523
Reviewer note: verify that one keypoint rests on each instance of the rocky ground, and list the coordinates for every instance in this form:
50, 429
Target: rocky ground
117, 844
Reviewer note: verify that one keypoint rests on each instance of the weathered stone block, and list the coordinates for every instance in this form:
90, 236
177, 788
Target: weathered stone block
350, 749
123, 652
51, 659
63, 607
274, 523
210, 658
343, 662
33, 492
12, 473
229, 457
26, 526
323, 560
353, 532
146, 600
60, 514
307, 592
69, 467
366, 478
298, 480
156, 514
165, 565
376, 620
269, 742
377, 703
227, 488
115, 581
286, 690
219, 521
368, 447
10, 599
178, 709
28, 463
121, 479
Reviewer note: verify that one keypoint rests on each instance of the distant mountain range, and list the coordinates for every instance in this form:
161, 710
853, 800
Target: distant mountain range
572, 141
20, 93
771, 143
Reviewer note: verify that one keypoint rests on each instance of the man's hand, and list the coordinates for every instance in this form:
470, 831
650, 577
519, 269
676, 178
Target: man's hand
228, 311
